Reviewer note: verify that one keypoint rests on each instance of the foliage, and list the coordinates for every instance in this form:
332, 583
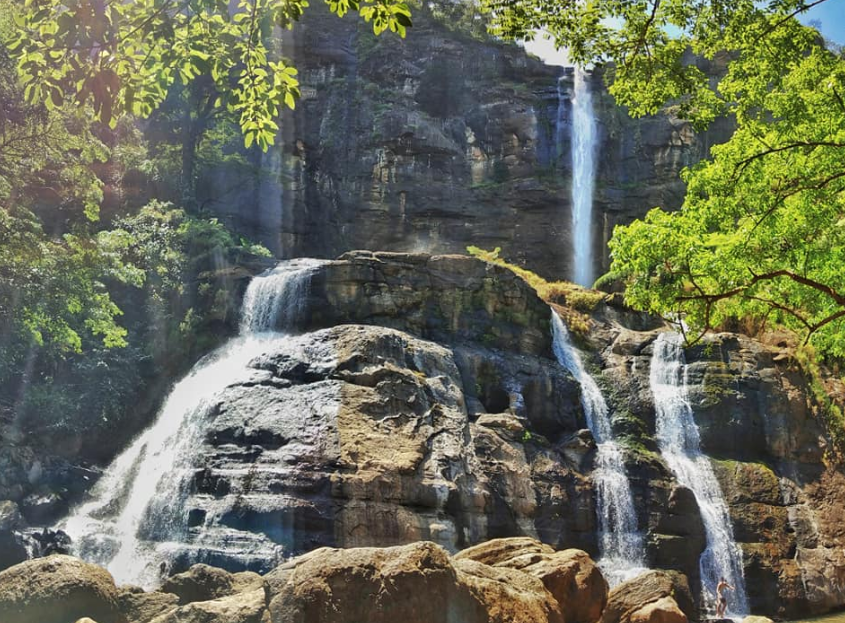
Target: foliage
762, 229
123, 57
761, 234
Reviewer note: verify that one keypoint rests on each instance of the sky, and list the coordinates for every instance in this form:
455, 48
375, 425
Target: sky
830, 15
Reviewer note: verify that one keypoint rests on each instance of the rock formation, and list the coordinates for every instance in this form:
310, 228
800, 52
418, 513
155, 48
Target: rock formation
422, 403
412, 583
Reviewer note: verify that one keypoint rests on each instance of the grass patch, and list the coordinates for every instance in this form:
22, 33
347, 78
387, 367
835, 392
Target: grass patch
570, 300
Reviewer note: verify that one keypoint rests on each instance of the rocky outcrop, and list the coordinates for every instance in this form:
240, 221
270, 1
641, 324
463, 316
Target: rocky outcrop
58, 589
438, 141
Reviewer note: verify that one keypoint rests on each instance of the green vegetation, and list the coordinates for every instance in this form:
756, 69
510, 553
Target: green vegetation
807, 359
124, 57
572, 301
761, 231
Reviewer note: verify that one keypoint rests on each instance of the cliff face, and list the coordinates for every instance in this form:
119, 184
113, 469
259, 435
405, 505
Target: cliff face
439, 141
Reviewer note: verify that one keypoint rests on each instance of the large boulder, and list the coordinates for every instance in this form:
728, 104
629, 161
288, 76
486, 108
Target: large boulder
508, 595
571, 576
375, 585
628, 602
139, 606
203, 582
412, 583
664, 610
58, 589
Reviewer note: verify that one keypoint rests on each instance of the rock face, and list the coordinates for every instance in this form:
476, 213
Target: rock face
441, 140
58, 589
758, 421
367, 436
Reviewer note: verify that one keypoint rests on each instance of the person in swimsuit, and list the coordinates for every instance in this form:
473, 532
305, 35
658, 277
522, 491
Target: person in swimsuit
721, 600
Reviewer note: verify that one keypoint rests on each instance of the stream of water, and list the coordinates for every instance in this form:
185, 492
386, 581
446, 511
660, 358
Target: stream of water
622, 549
679, 443
136, 519
584, 134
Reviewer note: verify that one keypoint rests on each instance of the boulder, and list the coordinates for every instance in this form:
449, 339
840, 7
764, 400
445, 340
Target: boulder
407, 584
203, 582
664, 610
571, 576
245, 607
632, 597
756, 619
58, 589
508, 595
139, 606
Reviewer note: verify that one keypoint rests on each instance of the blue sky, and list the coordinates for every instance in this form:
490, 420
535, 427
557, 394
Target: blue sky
831, 14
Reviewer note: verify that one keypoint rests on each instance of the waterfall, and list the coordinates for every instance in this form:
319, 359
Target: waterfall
679, 443
584, 134
135, 519
622, 550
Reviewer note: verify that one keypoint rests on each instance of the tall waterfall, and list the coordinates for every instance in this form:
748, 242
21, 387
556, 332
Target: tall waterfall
584, 134
136, 517
621, 543
679, 442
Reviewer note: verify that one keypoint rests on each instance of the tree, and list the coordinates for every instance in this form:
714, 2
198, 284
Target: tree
761, 233
124, 56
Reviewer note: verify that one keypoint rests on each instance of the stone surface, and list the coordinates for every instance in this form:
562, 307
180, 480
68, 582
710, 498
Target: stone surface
138, 606
570, 576
441, 140
629, 599
397, 584
245, 607
58, 589
203, 583
664, 610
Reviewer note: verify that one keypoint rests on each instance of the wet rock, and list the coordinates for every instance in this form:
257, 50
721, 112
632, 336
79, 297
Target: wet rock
43, 508
58, 589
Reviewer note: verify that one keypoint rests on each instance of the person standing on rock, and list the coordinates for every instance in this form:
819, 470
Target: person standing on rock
721, 600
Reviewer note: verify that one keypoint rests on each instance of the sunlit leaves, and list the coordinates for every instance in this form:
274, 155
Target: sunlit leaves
123, 56
760, 234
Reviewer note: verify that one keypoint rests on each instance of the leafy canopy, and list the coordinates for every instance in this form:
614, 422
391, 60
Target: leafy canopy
761, 234
124, 56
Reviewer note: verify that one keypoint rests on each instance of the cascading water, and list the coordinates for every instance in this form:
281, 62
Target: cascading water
621, 543
679, 443
584, 134
136, 519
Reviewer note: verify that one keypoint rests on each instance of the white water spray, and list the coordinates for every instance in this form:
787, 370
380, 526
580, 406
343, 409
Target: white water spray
621, 543
584, 134
679, 443
136, 518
